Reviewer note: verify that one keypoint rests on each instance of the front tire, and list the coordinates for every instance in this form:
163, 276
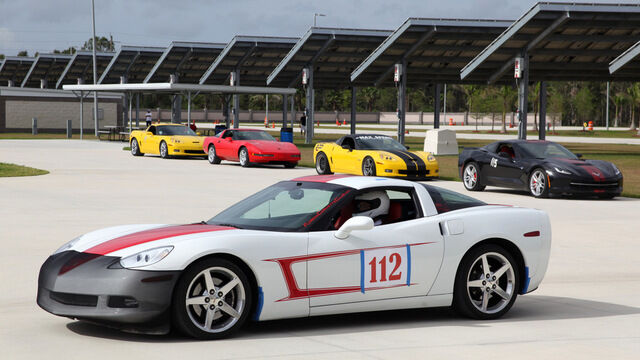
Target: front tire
368, 167
322, 164
471, 177
135, 148
211, 155
243, 155
487, 283
290, 165
538, 186
164, 150
212, 299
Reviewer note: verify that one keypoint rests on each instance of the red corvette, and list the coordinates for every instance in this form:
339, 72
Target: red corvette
250, 146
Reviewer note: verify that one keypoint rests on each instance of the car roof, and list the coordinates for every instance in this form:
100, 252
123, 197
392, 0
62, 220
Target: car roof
244, 129
356, 182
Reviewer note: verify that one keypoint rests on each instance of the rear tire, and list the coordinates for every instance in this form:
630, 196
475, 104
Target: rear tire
220, 299
243, 156
135, 147
322, 164
164, 150
471, 177
368, 167
485, 294
211, 155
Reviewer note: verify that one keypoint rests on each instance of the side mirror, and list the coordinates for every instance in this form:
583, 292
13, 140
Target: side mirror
346, 147
198, 133
355, 223
149, 133
579, 156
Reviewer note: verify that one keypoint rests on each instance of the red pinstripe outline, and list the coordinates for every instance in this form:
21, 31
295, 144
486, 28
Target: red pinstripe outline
295, 293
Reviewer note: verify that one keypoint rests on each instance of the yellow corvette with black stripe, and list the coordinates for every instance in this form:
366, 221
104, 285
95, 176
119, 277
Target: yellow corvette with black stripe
373, 155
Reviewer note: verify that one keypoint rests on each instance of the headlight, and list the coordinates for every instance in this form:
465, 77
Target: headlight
67, 246
145, 258
387, 157
562, 171
430, 157
175, 140
615, 169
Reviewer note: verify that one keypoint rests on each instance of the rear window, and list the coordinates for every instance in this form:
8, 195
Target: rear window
447, 200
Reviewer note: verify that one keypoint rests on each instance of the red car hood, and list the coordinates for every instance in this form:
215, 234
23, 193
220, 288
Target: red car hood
274, 146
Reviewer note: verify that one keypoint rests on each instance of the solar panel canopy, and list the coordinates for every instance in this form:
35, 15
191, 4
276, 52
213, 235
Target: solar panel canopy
14, 68
46, 67
435, 50
253, 57
189, 60
133, 62
332, 53
627, 64
564, 41
81, 67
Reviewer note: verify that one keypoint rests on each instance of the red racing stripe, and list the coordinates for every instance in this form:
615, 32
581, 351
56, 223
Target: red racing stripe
146, 236
321, 178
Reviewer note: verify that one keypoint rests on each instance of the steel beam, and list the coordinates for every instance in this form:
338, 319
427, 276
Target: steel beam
436, 105
402, 96
353, 110
542, 124
523, 92
310, 107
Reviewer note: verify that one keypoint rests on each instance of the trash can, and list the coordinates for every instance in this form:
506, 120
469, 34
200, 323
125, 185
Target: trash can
219, 128
286, 134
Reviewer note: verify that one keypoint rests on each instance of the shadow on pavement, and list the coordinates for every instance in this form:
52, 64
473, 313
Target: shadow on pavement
527, 308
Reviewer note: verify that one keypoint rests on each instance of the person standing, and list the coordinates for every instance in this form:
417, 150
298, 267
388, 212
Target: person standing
147, 117
303, 124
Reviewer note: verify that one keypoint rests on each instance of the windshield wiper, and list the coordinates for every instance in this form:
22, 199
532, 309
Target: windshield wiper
230, 225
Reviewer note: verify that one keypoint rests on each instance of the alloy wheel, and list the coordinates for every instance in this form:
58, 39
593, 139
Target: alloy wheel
491, 282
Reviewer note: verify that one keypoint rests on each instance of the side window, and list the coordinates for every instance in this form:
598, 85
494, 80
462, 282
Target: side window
506, 148
227, 134
349, 142
152, 129
446, 200
383, 206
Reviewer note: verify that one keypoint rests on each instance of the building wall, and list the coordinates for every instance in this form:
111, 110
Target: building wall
54, 114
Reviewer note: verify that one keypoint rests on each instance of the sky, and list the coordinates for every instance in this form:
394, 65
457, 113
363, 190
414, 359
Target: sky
45, 25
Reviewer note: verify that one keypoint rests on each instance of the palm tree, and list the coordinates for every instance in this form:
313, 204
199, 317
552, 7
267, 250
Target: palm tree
370, 95
634, 96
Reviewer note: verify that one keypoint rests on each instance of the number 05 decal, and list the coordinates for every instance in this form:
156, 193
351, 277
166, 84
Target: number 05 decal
385, 267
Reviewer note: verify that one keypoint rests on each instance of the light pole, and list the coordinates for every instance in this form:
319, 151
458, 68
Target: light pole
95, 71
315, 16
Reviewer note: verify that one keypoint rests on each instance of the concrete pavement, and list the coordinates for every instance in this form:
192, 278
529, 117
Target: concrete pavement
588, 306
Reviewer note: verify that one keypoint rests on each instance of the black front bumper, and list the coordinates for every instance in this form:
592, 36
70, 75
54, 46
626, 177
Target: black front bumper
585, 187
96, 288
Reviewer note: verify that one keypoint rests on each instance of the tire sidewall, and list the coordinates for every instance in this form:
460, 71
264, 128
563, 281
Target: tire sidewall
246, 163
476, 186
179, 313
215, 159
461, 301
327, 169
166, 154
136, 151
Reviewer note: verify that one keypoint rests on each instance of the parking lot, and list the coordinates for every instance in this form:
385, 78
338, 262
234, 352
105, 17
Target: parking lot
588, 306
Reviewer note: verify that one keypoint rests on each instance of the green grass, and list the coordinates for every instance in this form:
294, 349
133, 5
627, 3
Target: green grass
12, 170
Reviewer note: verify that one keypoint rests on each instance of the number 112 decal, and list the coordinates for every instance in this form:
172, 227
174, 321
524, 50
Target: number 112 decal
385, 267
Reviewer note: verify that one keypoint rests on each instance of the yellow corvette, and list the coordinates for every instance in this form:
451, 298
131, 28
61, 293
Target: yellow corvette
373, 155
166, 140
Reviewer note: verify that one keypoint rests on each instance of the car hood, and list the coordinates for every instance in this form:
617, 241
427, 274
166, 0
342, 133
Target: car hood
119, 240
595, 170
273, 146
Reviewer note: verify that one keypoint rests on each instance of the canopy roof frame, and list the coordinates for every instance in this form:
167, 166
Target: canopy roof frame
193, 48
176, 88
52, 60
17, 62
625, 58
100, 56
135, 52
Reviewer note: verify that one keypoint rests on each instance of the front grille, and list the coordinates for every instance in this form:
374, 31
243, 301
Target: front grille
74, 299
415, 173
594, 186
199, 152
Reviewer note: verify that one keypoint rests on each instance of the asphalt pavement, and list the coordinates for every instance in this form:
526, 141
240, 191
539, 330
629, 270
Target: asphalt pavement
588, 306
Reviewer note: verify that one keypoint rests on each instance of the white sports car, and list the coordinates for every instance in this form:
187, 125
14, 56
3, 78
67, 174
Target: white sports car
311, 246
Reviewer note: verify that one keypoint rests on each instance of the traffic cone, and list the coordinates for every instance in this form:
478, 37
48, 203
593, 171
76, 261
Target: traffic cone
451, 122
344, 122
406, 131
337, 122
318, 123
266, 122
273, 125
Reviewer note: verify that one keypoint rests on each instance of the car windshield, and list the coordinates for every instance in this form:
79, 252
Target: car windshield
378, 142
543, 150
447, 200
175, 130
253, 135
285, 206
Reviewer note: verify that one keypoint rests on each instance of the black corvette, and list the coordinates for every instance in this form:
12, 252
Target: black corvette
541, 167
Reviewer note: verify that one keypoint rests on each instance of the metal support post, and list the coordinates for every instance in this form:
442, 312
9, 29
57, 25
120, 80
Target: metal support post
444, 108
353, 110
34, 126
402, 95
293, 113
188, 108
285, 99
176, 109
81, 113
125, 111
69, 129
607, 116
310, 107
236, 111
542, 128
436, 105
130, 95
523, 92
95, 66
137, 109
